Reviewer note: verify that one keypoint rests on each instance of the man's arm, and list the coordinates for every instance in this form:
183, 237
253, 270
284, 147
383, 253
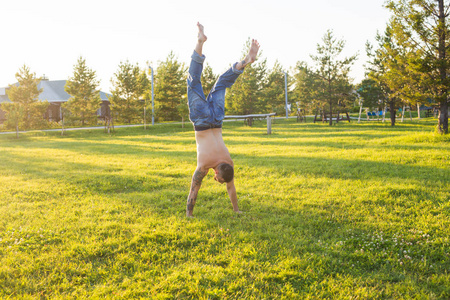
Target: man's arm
197, 178
231, 189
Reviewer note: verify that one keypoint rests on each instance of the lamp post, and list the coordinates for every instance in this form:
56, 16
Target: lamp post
153, 101
286, 94
145, 108
360, 107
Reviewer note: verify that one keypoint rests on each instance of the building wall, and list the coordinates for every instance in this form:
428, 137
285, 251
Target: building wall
53, 112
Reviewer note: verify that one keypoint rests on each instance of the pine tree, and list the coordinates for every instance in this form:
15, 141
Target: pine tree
25, 111
130, 84
246, 95
371, 94
274, 90
170, 89
308, 91
386, 67
333, 72
421, 28
208, 79
85, 96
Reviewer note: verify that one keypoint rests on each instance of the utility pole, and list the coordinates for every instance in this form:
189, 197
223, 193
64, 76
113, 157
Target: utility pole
145, 108
153, 101
286, 94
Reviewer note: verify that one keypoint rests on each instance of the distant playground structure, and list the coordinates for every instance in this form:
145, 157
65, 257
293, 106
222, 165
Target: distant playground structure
338, 113
377, 114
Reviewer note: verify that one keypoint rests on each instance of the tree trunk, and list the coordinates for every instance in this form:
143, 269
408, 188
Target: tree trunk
331, 114
360, 111
17, 131
62, 126
392, 109
443, 104
418, 110
443, 117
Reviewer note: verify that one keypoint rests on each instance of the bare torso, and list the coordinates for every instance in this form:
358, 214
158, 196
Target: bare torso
211, 149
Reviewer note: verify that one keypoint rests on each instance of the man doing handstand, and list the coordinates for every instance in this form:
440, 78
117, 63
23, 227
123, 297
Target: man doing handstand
207, 113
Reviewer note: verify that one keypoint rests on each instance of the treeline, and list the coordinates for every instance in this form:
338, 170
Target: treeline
258, 90
409, 65
411, 62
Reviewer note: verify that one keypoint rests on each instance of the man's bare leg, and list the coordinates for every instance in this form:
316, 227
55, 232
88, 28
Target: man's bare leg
251, 56
201, 39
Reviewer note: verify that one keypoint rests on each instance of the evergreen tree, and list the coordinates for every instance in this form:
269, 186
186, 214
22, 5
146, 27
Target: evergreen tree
371, 93
25, 111
130, 84
170, 89
85, 96
183, 109
246, 95
308, 91
208, 79
421, 28
336, 87
274, 91
14, 114
385, 67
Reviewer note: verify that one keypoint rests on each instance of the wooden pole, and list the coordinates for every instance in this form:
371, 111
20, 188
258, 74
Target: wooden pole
360, 111
269, 125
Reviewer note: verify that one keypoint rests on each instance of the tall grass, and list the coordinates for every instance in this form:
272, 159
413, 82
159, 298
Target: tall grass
349, 211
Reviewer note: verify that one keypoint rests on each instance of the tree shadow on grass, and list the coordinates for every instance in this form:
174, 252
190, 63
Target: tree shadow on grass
275, 240
280, 242
339, 168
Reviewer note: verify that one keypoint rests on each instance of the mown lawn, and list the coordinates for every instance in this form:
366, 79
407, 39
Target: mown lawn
352, 211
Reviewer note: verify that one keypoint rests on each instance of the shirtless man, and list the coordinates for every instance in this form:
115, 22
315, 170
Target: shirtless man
207, 113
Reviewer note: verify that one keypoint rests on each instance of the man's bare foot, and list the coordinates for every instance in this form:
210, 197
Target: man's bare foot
251, 56
201, 33
201, 39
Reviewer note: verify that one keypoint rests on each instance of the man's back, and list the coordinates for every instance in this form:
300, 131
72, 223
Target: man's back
211, 149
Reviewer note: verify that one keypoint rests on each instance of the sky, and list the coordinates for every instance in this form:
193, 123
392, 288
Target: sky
49, 36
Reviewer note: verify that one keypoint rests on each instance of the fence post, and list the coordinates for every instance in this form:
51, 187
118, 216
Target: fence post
269, 125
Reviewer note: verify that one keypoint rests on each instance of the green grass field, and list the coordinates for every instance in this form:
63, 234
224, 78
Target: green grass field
354, 211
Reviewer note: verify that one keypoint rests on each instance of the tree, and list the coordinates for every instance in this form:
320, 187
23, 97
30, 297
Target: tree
333, 72
14, 113
183, 109
308, 87
246, 94
130, 84
170, 89
387, 67
274, 90
25, 111
421, 28
371, 93
208, 79
85, 100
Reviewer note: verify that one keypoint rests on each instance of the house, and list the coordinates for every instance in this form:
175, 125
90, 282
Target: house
53, 92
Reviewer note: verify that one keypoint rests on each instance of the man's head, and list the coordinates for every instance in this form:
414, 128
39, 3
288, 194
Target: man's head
224, 173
